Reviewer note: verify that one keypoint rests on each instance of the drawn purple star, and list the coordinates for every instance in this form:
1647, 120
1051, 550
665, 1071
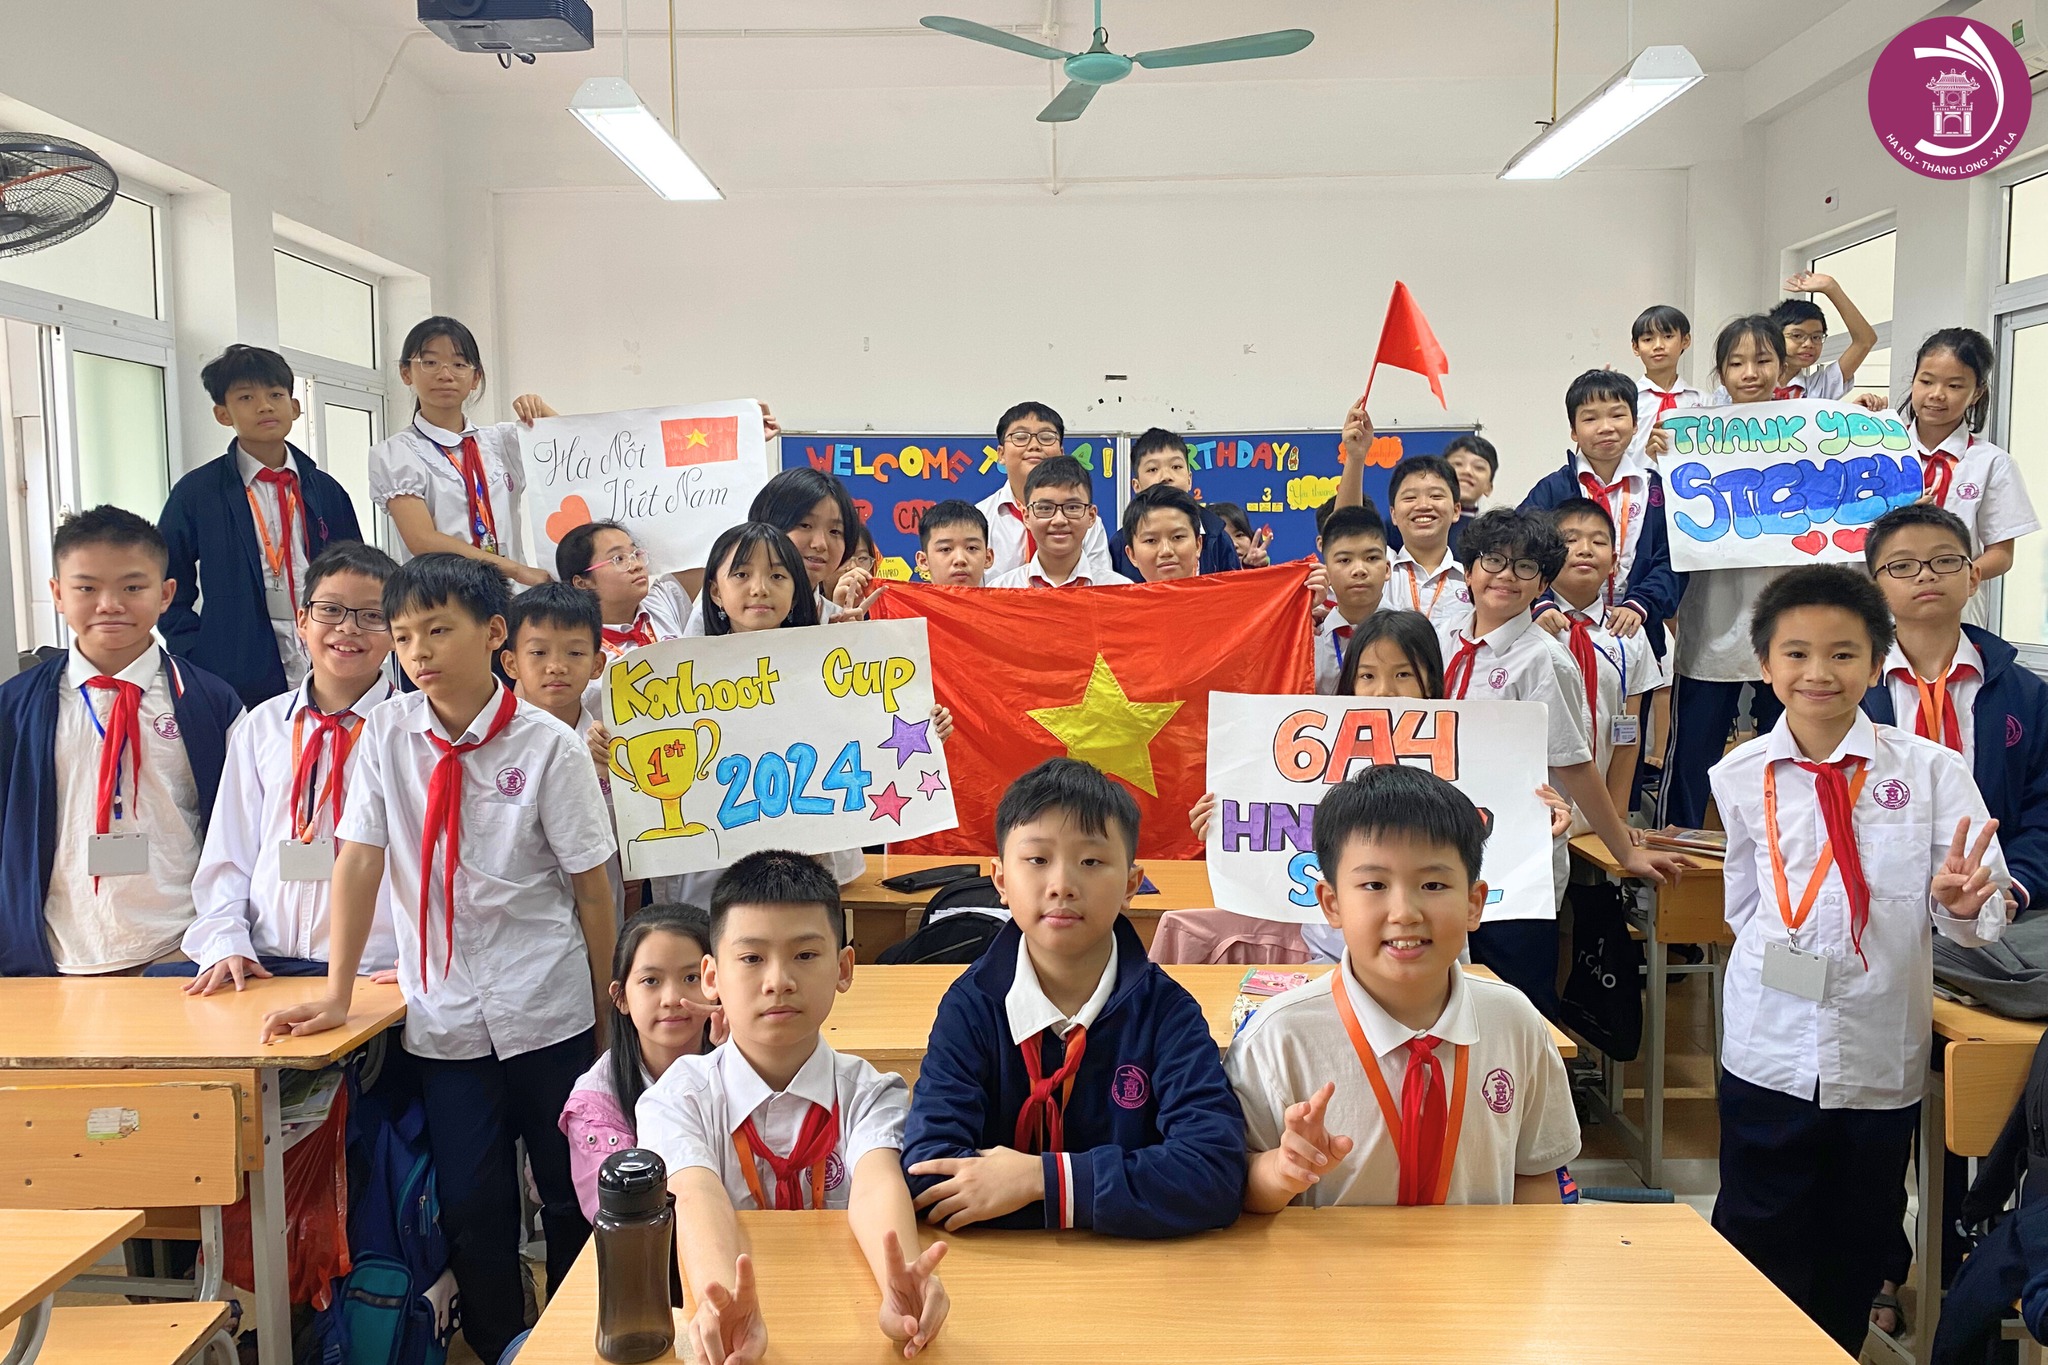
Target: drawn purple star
931, 784
890, 802
907, 739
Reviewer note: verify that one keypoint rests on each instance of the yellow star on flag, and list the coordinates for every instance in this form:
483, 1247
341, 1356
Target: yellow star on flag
1108, 729
697, 438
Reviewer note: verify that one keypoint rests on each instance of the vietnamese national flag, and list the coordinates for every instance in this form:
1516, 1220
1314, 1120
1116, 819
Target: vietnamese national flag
1117, 676
700, 440
1406, 343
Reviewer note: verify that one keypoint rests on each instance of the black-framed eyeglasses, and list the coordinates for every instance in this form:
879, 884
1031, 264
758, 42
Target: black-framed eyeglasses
1524, 569
368, 619
1045, 440
1072, 511
1910, 568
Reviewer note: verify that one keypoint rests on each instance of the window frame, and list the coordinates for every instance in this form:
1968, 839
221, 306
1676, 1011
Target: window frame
285, 246
1806, 255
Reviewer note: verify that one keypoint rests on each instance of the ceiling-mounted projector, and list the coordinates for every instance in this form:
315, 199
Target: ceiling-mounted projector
509, 26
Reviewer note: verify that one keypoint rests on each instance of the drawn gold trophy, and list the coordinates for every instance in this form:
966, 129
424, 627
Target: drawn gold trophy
665, 764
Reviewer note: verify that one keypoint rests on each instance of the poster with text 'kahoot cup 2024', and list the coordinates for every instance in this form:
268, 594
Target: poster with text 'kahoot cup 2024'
1272, 760
813, 739
1766, 485
674, 477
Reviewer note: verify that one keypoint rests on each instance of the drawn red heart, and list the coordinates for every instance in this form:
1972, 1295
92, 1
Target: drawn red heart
1852, 541
573, 512
1812, 543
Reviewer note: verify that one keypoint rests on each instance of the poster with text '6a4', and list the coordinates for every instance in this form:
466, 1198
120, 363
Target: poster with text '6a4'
812, 739
1272, 761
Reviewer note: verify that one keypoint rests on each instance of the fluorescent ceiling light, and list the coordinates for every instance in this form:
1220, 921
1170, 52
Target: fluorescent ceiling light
1656, 77
607, 106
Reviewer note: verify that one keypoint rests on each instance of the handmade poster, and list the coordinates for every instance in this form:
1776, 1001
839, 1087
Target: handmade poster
1280, 478
1765, 485
813, 739
893, 479
1272, 758
675, 477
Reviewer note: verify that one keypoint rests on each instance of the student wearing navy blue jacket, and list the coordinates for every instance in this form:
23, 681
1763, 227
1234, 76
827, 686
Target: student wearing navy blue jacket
113, 738
1603, 466
1158, 456
1959, 685
241, 530
1069, 1082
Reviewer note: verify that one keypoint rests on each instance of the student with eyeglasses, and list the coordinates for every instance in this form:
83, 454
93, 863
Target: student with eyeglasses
260, 895
1059, 515
1498, 653
1028, 434
603, 559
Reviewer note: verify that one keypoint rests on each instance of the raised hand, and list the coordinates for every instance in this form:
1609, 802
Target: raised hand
1808, 282
914, 1305
1307, 1146
727, 1329
1357, 438
1963, 883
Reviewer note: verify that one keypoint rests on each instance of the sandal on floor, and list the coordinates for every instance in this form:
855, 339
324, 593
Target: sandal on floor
1889, 1303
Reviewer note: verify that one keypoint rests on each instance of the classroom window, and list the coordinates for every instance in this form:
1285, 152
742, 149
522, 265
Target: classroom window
1864, 271
324, 312
2024, 614
113, 263
124, 451
2026, 229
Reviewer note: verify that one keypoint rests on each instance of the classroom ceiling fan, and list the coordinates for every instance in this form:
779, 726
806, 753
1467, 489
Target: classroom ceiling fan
1089, 71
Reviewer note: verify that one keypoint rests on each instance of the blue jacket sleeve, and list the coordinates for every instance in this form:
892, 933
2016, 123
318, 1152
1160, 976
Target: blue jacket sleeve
2023, 836
1653, 587
957, 1090
1193, 1179
180, 622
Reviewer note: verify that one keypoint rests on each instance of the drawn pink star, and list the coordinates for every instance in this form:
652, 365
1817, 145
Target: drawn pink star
931, 784
890, 802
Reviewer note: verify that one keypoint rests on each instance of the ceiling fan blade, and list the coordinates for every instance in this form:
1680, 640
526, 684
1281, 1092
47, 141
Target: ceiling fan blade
1068, 104
994, 37
1276, 44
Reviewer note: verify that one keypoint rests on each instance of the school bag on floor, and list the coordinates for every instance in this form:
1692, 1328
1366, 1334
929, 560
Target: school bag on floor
959, 922
380, 1315
1602, 1000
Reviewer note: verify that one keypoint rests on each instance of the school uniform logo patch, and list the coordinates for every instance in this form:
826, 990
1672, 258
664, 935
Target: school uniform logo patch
1656, 495
166, 726
511, 781
2013, 733
1892, 793
1498, 1090
1969, 492
1130, 1087
1498, 679
835, 1171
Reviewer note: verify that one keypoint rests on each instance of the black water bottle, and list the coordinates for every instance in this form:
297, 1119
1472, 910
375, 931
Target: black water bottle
635, 1232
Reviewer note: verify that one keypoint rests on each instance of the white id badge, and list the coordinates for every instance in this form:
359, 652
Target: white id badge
1627, 730
117, 855
297, 862
1795, 972
277, 603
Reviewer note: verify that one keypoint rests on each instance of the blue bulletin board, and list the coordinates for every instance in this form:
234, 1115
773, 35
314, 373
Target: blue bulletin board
1280, 478
893, 479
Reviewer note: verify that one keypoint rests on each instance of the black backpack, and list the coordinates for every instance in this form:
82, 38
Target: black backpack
1603, 996
958, 938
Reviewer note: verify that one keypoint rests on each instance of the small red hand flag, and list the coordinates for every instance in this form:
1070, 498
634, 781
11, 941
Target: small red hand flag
1406, 343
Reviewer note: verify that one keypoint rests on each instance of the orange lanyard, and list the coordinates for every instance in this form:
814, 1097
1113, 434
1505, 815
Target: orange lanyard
304, 824
1388, 1109
277, 555
1415, 588
745, 1151
1794, 920
476, 491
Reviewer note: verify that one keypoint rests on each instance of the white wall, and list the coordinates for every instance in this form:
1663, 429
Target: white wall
1228, 305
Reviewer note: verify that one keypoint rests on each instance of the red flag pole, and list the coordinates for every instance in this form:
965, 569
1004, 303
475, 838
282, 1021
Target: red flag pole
1371, 374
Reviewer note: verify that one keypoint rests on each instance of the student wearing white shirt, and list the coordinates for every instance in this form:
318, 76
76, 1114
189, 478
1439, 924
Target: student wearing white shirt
1495, 1116
816, 513
1660, 337
1423, 575
447, 484
1846, 842
1353, 544
484, 816
262, 886
1027, 434
1618, 669
1059, 513
1501, 654
602, 558
1945, 411
775, 1119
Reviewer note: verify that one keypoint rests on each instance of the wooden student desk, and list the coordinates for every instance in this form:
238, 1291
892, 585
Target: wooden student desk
1465, 1285
879, 917
39, 1250
76, 1030
1983, 1063
1690, 912
887, 1016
